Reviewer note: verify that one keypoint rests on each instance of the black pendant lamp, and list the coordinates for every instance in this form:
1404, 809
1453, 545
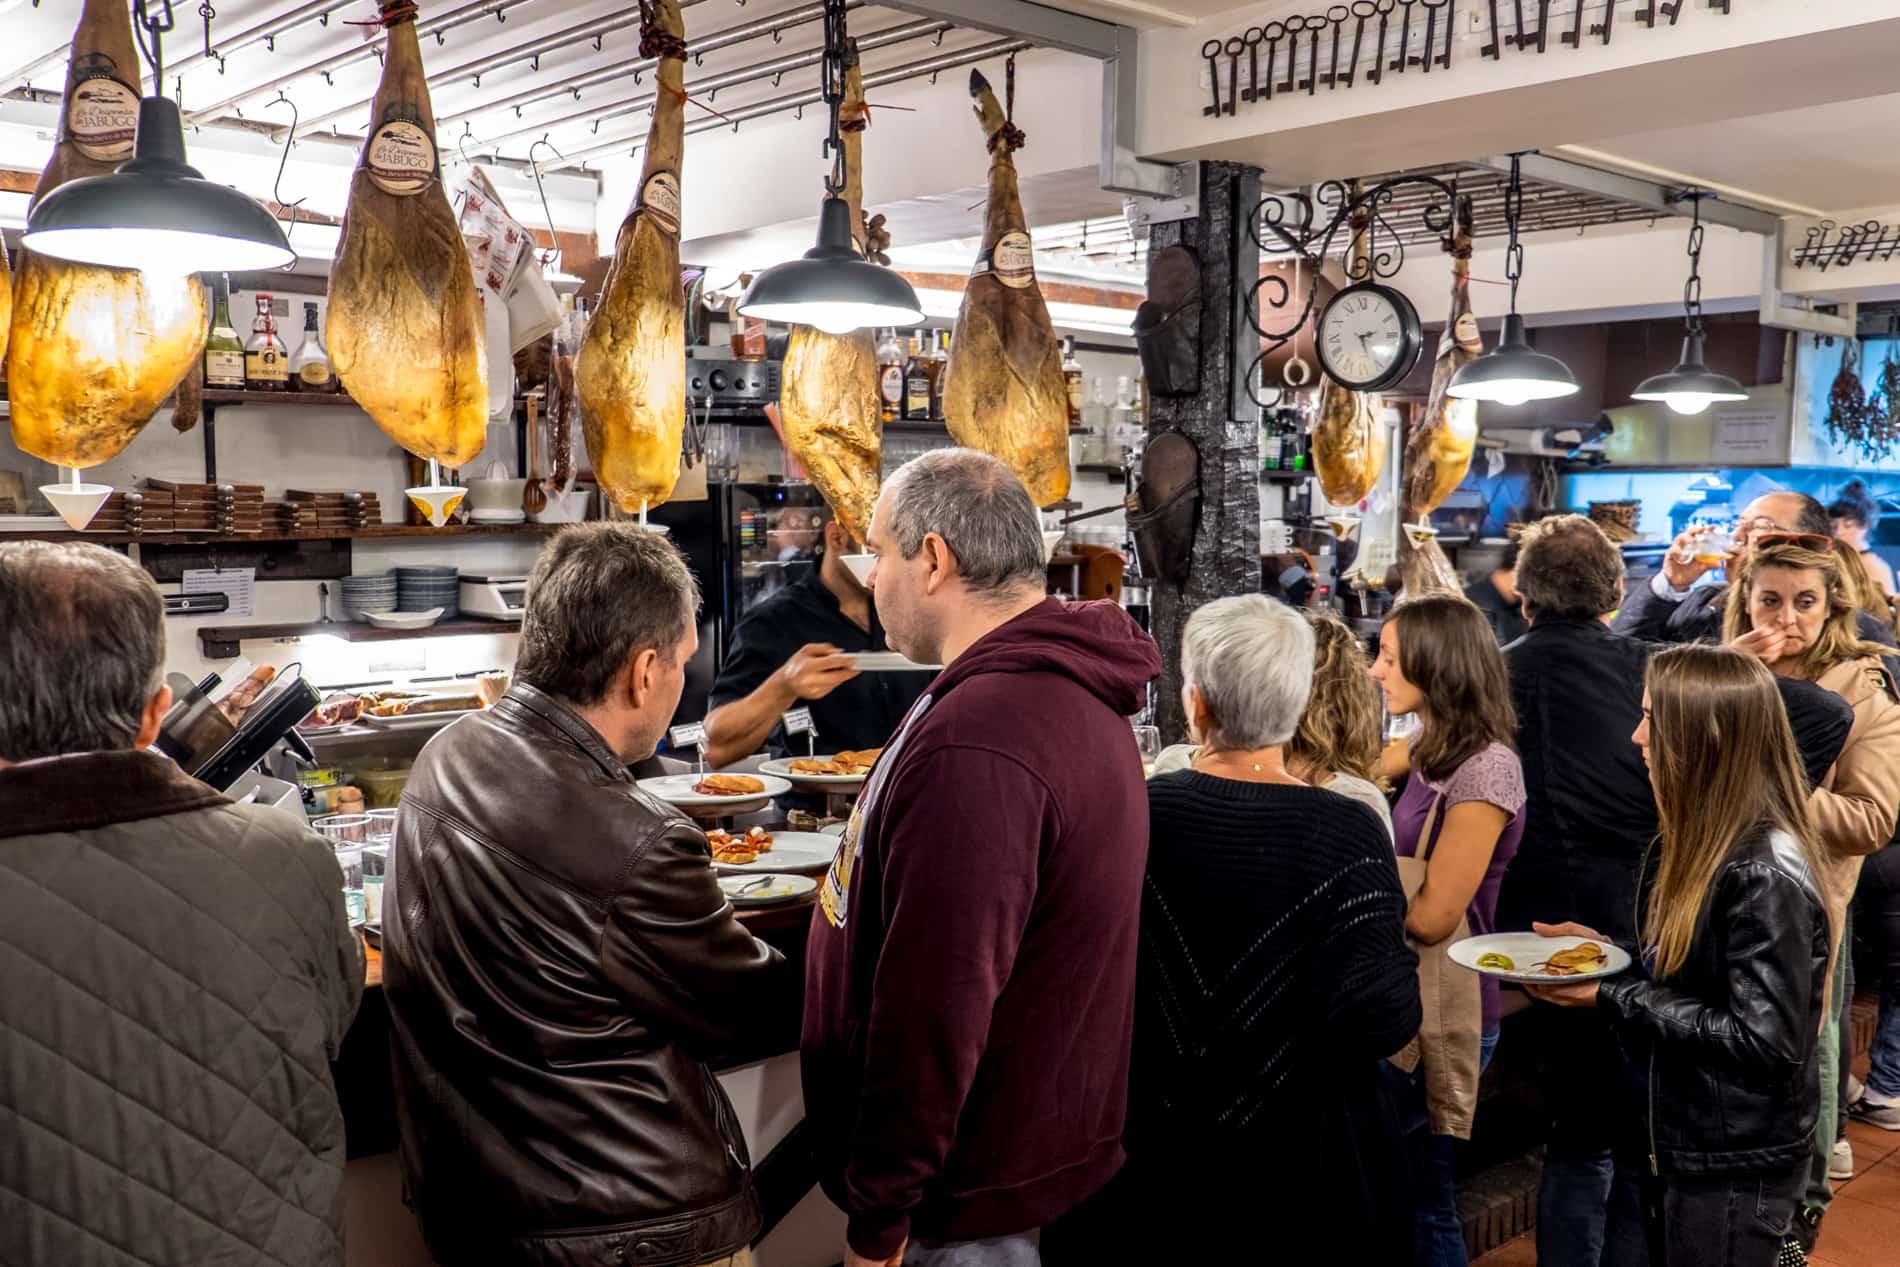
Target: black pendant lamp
1692, 386
833, 287
157, 212
1513, 372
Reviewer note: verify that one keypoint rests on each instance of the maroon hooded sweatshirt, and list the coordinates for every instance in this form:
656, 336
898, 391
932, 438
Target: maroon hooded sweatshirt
970, 981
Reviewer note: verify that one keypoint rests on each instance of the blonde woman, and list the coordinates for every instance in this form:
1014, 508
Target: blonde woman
1737, 940
1863, 588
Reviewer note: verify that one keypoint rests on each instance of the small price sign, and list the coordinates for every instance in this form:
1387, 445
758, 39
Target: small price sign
799, 722
690, 736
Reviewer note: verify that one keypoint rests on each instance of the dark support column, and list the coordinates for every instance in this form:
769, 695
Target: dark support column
1221, 420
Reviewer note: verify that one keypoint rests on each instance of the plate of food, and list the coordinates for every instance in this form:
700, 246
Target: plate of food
1529, 959
765, 890
756, 850
407, 710
726, 793
843, 770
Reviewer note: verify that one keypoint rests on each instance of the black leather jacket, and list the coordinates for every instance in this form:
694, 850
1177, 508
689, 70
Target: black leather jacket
561, 968
1730, 1040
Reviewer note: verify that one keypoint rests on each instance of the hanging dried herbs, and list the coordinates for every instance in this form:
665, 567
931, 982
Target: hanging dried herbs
1870, 425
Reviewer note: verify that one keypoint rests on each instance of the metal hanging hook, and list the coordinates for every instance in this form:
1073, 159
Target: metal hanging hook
286, 209
461, 143
535, 167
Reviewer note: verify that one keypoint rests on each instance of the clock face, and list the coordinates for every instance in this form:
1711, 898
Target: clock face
1368, 337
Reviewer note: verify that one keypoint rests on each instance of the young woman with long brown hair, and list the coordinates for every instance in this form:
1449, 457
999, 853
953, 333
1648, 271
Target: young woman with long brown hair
1737, 940
1462, 812
1793, 610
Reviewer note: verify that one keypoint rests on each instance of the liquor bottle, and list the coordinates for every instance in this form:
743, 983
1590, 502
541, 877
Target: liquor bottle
310, 365
890, 376
224, 353
1272, 441
917, 381
266, 364
939, 372
1095, 422
1072, 375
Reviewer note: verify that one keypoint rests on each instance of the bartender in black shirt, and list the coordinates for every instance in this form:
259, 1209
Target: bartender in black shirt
791, 650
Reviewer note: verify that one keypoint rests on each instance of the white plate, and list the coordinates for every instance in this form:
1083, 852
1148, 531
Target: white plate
886, 662
779, 888
1526, 949
404, 620
835, 830
783, 769
416, 721
793, 852
677, 789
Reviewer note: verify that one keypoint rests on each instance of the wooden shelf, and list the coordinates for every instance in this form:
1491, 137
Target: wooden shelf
1286, 477
236, 396
220, 642
373, 532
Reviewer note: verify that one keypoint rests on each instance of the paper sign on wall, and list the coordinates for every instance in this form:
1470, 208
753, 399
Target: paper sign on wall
1749, 437
239, 584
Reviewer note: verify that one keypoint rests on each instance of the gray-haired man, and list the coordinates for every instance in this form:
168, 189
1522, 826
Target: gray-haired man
971, 968
563, 965
176, 972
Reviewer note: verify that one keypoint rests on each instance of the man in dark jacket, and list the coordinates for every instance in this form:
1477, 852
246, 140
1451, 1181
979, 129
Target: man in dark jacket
1668, 609
970, 977
1578, 691
563, 968
176, 971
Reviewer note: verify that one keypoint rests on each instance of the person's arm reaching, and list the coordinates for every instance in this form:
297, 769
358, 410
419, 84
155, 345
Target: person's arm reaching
959, 847
672, 943
739, 728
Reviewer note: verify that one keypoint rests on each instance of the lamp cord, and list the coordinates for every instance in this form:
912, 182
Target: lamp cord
1513, 208
1692, 289
147, 25
833, 89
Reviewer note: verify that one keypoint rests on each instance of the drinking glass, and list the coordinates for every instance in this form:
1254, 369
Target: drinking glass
1148, 744
346, 829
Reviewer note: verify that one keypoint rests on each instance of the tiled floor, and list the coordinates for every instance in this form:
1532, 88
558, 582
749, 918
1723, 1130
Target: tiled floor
1862, 1228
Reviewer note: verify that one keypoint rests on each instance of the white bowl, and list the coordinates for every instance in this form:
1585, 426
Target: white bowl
861, 565
404, 620
571, 509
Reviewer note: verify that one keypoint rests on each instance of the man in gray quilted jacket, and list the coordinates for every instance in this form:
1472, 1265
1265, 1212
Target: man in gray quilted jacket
176, 971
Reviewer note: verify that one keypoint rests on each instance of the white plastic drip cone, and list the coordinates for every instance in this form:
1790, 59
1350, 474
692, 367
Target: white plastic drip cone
1343, 526
437, 501
76, 503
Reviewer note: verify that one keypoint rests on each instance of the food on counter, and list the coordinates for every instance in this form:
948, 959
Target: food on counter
336, 710
729, 785
404, 327
1583, 957
842, 765
94, 351
828, 398
1348, 440
1438, 449
631, 371
412, 704
739, 850
1003, 390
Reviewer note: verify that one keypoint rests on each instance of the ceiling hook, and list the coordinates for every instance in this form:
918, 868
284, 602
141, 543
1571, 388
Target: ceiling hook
461, 142
778, 78
938, 41
547, 211
535, 62
439, 41
597, 42
287, 211
323, 19
778, 36
270, 43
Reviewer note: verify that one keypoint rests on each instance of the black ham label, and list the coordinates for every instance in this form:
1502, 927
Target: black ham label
400, 158
102, 115
1011, 261
661, 200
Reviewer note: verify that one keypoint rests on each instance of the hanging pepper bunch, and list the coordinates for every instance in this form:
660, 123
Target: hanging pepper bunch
1870, 424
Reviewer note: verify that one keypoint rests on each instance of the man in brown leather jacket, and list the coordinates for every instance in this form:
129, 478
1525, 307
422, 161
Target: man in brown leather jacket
562, 968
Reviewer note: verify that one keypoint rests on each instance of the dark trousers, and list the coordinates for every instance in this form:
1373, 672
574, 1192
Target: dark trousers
1877, 923
1728, 1221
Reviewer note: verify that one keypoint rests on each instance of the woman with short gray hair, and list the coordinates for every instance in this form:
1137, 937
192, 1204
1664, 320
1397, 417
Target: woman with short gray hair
1273, 978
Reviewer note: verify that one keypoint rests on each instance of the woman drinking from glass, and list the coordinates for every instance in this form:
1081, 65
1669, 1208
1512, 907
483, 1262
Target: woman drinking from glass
1738, 940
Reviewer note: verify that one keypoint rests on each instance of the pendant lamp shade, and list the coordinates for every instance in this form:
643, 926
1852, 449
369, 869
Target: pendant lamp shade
1692, 386
157, 213
1513, 372
832, 287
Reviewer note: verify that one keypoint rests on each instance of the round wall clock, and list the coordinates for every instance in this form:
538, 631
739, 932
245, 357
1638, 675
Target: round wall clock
1369, 337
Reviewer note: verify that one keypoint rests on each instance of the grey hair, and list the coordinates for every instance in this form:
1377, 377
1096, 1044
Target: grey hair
979, 508
600, 594
82, 648
1252, 660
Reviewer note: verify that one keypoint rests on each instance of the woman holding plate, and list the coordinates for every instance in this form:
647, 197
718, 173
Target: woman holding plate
1737, 936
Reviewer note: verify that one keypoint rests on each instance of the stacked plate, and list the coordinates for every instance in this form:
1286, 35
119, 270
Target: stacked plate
365, 594
420, 588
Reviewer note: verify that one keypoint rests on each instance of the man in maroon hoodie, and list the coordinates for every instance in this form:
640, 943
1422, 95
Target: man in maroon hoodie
971, 972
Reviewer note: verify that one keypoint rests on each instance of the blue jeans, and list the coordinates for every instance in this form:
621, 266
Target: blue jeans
1440, 1233
1020, 1250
